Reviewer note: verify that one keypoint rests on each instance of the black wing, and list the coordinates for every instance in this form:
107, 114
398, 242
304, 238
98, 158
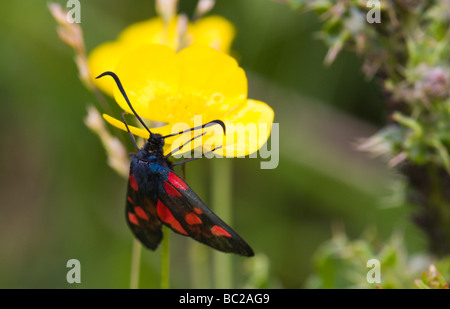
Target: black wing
141, 215
182, 210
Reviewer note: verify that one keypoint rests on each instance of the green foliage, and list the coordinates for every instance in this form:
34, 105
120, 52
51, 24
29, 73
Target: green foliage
409, 51
431, 280
343, 263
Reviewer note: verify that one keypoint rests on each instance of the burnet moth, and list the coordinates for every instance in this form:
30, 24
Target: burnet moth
157, 196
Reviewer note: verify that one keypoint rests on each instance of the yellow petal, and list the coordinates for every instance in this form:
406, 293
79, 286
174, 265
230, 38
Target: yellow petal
151, 31
120, 125
247, 130
105, 58
170, 87
214, 31
164, 130
150, 77
211, 82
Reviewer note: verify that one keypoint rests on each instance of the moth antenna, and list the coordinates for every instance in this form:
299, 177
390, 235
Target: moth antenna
219, 122
122, 91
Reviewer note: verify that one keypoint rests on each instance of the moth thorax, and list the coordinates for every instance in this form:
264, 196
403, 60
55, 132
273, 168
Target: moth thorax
154, 144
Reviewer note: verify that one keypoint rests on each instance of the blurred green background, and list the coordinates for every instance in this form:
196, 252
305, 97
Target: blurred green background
59, 200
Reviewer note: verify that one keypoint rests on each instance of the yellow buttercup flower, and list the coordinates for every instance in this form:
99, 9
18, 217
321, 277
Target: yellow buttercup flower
214, 31
173, 88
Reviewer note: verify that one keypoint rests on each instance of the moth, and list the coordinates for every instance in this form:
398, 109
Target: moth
158, 196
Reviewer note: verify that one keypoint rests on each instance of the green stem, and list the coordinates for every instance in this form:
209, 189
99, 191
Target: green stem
135, 264
199, 265
165, 258
221, 201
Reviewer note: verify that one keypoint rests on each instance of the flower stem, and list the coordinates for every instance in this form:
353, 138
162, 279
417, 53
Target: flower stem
165, 258
199, 260
135, 264
221, 201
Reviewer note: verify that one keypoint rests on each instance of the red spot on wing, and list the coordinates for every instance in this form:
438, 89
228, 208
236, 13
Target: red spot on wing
132, 218
130, 200
198, 210
177, 182
166, 216
192, 219
218, 231
170, 189
133, 182
140, 213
